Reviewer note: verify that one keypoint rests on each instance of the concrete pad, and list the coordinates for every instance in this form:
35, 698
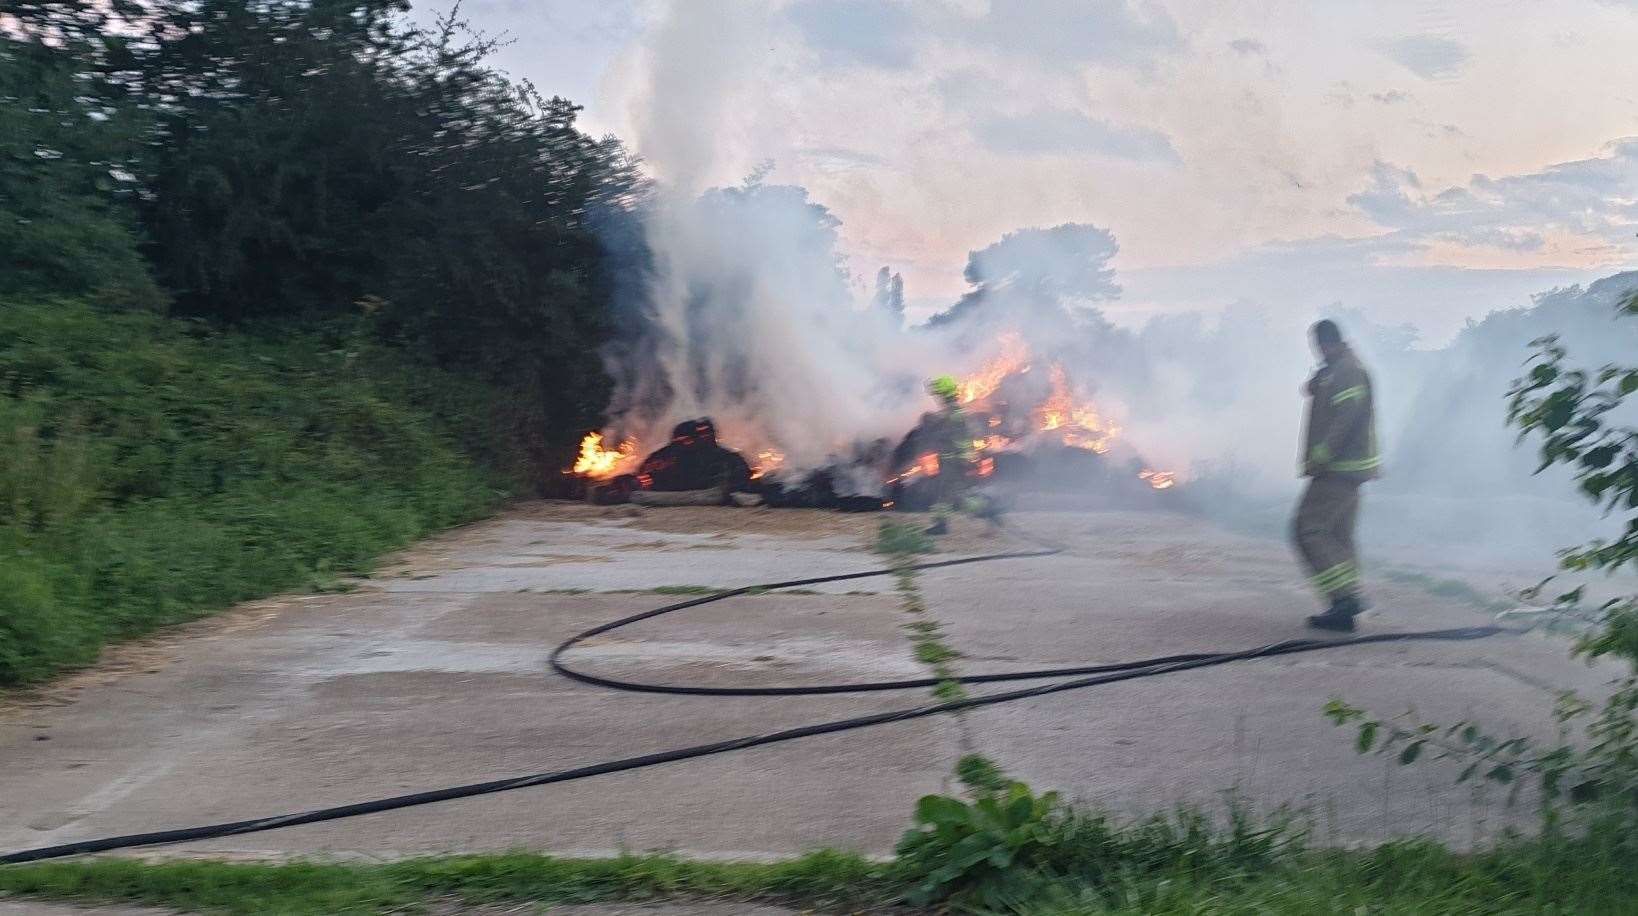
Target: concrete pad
41, 908
433, 673
394, 689
1138, 586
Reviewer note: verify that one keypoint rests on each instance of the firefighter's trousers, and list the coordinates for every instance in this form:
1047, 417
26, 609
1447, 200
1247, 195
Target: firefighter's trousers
1323, 532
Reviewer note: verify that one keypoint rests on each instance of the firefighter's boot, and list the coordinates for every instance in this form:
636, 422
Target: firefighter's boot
1339, 617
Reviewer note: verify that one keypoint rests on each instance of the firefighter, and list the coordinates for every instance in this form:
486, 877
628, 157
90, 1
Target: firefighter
956, 458
1339, 455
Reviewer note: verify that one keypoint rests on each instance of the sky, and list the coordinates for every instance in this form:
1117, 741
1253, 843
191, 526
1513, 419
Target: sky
1423, 162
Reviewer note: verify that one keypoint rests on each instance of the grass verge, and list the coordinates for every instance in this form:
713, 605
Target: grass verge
1164, 867
829, 879
153, 471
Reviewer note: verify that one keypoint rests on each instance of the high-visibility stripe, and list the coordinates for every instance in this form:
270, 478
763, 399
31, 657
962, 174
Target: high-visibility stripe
1325, 578
1358, 391
1343, 577
1362, 464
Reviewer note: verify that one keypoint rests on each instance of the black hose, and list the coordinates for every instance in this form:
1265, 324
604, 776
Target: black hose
1096, 675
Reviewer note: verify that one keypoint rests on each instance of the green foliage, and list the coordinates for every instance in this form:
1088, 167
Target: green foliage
895, 539
980, 774
1572, 411
154, 472
821, 878
284, 160
458, 200
1171, 867
66, 148
988, 851
1008, 849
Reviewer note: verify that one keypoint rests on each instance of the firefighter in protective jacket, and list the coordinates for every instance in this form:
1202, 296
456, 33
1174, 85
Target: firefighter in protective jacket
1339, 455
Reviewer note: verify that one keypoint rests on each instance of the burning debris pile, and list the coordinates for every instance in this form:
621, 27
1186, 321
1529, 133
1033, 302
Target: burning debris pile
1021, 429
1015, 426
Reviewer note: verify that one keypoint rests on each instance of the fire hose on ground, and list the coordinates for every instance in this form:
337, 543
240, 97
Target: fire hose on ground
1079, 677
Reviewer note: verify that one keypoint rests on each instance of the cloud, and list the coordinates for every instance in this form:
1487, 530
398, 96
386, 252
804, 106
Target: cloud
1432, 57
1075, 31
1250, 47
1057, 131
1587, 197
864, 32
1391, 97
887, 33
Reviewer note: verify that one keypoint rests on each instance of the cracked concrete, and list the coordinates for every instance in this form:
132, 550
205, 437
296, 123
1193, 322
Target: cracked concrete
433, 673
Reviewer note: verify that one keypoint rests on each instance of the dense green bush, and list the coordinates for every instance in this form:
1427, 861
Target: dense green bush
156, 470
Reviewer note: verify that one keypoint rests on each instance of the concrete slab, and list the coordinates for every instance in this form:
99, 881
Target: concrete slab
1139, 586
40, 908
433, 673
393, 689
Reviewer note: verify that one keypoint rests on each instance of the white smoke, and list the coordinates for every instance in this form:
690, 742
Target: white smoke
750, 317
763, 332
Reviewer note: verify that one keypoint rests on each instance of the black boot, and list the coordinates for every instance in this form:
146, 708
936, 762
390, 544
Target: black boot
1339, 617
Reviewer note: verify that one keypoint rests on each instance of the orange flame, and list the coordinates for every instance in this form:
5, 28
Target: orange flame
925, 466
1014, 358
1084, 426
766, 460
595, 461
928, 464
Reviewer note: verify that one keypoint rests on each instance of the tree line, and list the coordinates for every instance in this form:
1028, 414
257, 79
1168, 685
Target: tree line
275, 163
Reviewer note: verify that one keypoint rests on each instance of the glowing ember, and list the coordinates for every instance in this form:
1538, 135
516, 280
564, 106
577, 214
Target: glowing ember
766, 460
1014, 358
596, 461
925, 466
928, 464
986, 467
1160, 480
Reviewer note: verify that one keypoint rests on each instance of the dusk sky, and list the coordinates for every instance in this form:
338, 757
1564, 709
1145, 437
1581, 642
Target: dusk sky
1421, 161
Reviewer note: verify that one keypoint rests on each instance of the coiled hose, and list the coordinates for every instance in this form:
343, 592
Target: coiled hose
1080, 677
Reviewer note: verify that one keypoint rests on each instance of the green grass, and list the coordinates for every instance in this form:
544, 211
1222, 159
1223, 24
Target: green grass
153, 471
896, 539
827, 879
1178, 865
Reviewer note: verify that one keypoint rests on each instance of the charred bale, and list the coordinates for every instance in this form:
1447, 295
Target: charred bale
694, 461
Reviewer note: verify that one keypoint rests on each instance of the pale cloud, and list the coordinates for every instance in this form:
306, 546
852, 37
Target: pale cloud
1393, 153
1075, 31
868, 32
1432, 57
1591, 199
1069, 132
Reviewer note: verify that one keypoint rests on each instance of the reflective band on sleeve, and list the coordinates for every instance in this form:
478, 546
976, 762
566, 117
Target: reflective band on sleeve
1347, 394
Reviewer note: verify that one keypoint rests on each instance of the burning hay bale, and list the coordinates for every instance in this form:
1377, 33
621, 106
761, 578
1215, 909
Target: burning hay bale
1020, 430
1011, 429
692, 469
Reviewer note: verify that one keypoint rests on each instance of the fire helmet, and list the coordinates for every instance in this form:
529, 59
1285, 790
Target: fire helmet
944, 388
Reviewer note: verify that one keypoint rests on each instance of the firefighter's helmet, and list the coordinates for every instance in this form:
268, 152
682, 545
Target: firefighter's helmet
945, 388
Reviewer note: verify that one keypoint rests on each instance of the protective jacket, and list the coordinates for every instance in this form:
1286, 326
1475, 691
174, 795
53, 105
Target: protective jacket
1340, 435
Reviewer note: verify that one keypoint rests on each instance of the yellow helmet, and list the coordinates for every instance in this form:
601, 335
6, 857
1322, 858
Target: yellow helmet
945, 388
